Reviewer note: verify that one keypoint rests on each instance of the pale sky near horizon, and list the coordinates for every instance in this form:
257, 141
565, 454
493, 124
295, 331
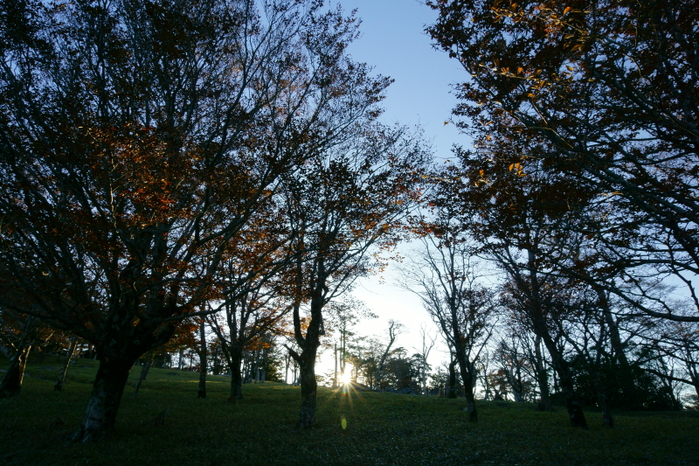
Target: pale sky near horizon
394, 43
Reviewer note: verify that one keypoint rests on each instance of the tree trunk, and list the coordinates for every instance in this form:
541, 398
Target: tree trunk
451, 386
565, 379
335, 379
144, 373
542, 378
515, 381
64, 370
100, 418
236, 353
309, 388
467, 378
607, 418
11, 383
201, 391
624, 374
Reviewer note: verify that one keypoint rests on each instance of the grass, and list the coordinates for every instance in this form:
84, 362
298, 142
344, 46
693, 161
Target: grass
380, 428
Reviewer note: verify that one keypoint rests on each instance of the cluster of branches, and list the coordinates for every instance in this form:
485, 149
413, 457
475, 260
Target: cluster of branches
581, 186
163, 161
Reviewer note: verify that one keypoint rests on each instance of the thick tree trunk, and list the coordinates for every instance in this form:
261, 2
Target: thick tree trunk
100, 419
309, 347
64, 370
236, 393
471, 406
309, 389
467, 377
11, 383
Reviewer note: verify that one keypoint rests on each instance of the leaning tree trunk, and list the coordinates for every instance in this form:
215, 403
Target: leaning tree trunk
64, 370
11, 383
542, 378
105, 399
560, 365
144, 373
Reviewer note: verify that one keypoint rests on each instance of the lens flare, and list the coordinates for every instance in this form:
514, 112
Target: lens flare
346, 376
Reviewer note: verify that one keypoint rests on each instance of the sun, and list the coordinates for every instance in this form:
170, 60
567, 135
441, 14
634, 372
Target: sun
346, 377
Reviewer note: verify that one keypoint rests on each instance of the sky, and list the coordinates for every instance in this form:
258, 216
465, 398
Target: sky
394, 43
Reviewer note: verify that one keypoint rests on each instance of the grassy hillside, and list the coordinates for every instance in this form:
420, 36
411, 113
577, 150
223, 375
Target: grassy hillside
380, 428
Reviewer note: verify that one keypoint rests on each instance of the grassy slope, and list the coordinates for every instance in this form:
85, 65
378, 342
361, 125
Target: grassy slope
381, 428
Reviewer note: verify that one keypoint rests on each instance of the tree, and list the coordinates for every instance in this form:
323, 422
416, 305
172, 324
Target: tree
60, 380
611, 89
522, 217
678, 340
138, 138
342, 316
395, 328
18, 333
446, 281
515, 364
244, 322
421, 356
351, 201
203, 359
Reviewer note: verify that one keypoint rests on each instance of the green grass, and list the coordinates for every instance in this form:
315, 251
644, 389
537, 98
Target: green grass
381, 428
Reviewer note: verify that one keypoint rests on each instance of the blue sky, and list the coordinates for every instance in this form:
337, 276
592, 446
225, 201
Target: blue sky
393, 41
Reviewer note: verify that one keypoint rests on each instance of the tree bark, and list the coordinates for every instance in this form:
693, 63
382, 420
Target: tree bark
451, 387
467, 378
64, 370
236, 354
565, 377
11, 383
201, 390
100, 419
542, 378
309, 389
560, 365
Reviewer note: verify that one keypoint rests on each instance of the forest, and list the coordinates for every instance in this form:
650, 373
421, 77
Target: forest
199, 185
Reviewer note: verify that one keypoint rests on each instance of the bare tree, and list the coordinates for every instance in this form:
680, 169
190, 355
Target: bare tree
445, 279
395, 328
423, 353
